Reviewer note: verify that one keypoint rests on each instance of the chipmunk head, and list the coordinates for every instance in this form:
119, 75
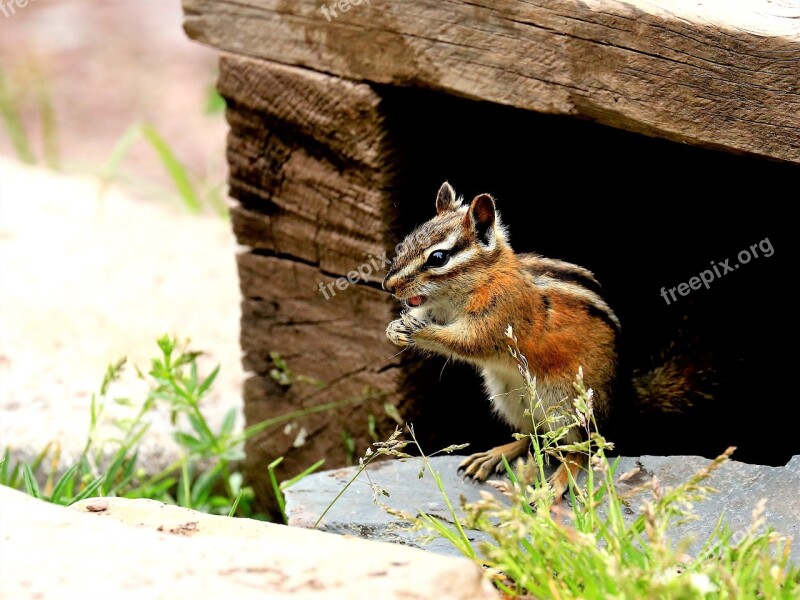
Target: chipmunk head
450, 254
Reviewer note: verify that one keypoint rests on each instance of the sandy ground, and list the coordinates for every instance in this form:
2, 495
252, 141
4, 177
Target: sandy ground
84, 281
106, 66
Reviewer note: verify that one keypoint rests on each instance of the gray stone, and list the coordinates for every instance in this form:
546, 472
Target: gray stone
355, 513
740, 487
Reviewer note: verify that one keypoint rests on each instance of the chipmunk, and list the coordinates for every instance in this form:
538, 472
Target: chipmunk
463, 285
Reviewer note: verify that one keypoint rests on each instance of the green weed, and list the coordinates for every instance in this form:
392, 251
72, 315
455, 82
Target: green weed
186, 185
206, 476
37, 93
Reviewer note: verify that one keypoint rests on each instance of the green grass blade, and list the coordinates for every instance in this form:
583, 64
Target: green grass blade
115, 484
235, 504
277, 488
204, 485
361, 469
64, 485
14, 124
185, 488
249, 432
5, 478
47, 115
90, 489
227, 423
175, 169
285, 485
119, 152
31, 487
454, 537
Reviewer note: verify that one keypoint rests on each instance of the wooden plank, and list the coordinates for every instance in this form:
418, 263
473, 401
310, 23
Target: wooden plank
325, 111
347, 325
308, 164
715, 74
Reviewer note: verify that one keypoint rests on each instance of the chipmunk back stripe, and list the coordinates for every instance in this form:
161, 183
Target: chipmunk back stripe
606, 316
559, 269
595, 304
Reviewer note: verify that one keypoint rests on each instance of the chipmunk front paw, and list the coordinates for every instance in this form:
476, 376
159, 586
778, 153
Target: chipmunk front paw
402, 330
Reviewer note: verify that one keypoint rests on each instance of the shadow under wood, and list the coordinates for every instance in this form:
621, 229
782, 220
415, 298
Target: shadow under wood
643, 214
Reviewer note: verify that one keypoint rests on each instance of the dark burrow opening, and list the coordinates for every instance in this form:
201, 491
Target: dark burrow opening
643, 214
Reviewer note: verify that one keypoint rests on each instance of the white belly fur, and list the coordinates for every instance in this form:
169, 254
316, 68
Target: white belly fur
510, 400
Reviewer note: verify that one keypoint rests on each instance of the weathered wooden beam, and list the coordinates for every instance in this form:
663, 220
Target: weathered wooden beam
716, 74
308, 164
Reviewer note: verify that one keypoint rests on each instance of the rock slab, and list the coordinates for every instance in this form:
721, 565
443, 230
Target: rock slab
131, 549
740, 487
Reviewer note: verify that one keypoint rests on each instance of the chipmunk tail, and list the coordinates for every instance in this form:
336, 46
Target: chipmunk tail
680, 379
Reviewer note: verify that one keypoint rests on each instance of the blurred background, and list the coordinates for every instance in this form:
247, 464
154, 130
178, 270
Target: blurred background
81, 73
113, 226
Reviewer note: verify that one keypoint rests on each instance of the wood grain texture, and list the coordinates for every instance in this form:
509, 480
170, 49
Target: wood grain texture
308, 164
717, 74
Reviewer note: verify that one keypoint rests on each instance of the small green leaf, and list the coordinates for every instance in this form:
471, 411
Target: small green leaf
232, 455
31, 487
228, 423
64, 485
208, 381
189, 442
203, 485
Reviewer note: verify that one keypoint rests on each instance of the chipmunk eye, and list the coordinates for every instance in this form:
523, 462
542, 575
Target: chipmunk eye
438, 258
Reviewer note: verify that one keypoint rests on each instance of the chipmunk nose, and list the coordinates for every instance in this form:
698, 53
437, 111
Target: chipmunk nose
389, 285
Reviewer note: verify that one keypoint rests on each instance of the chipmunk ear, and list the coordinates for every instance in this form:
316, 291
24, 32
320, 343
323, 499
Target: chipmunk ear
446, 199
482, 217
